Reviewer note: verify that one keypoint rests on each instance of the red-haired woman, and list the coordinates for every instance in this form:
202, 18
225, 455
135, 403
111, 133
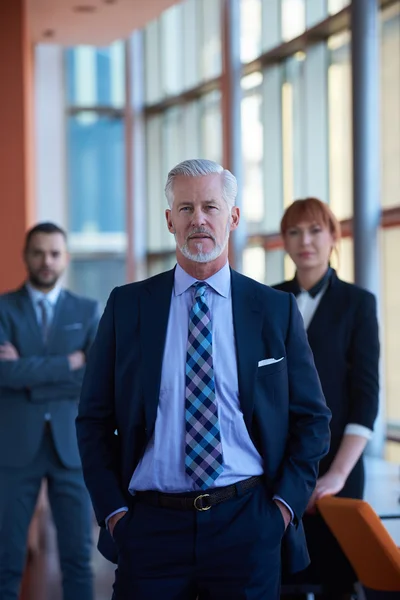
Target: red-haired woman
341, 323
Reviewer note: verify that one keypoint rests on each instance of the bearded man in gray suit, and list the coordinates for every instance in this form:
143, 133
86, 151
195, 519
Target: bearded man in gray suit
45, 336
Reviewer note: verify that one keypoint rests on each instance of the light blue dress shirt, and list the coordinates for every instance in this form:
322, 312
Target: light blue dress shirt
162, 467
51, 298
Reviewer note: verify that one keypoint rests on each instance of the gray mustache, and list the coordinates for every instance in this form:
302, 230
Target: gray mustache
201, 230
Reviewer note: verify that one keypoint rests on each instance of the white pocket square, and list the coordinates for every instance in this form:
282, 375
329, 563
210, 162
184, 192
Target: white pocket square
73, 326
269, 361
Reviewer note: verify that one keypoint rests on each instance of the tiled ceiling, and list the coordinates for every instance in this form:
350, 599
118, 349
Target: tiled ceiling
97, 22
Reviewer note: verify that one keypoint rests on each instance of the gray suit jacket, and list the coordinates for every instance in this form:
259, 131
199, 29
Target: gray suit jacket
40, 381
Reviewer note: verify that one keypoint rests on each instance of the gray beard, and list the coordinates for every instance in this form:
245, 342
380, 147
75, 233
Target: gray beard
205, 257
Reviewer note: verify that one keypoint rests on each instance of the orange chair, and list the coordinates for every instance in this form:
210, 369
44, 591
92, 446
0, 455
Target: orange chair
371, 551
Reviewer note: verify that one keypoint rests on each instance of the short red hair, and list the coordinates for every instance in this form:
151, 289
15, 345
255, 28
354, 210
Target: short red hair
313, 210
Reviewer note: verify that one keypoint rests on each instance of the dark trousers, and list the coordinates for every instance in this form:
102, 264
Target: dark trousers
230, 552
70, 506
329, 567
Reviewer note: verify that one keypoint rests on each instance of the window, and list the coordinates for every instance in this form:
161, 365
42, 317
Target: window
95, 156
335, 6
343, 260
293, 18
250, 34
95, 76
96, 174
293, 129
252, 149
391, 320
254, 263
210, 47
390, 105
211, 126
274, 266
153, 83
171, 24
340, 126
96, 277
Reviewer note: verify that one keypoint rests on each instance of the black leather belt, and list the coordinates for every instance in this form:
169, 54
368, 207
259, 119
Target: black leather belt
195, 500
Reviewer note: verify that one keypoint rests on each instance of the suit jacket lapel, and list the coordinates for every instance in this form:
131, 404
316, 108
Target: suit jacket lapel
247, 324
325, 308
154, 313
29, 314
61, 311
325, 311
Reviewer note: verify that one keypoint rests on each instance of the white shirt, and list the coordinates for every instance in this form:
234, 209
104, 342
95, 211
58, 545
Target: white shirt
36, 297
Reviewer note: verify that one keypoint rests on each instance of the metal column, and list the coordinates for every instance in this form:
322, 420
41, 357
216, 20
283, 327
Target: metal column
231, 116
366, 157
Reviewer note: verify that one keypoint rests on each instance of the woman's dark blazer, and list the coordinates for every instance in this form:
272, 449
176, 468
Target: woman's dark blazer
343, 336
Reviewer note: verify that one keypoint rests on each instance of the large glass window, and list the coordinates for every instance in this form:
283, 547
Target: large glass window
211, 127
210, 47
153, 82
252, 152
254, 263
95, 168
251, 25
293, 129
95, 76
155, 201
95, 277
343, 260
340, 126
171, 50
390, 105
391, 320
182, 48
335, 6
274, 266
293, 18
96, 173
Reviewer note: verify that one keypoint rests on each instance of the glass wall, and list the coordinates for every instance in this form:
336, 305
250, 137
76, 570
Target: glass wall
340, 125
96, 173
296, 136
95, 169
296, 122
390, 239
390, 105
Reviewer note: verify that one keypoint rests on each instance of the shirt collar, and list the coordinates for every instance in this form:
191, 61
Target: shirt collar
36, 295
317, 288
220, 281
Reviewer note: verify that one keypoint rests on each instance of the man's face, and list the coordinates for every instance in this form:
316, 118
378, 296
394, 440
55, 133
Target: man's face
46, 258
200, 218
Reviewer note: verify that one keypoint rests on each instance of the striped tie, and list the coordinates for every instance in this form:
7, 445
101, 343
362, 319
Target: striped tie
203, 460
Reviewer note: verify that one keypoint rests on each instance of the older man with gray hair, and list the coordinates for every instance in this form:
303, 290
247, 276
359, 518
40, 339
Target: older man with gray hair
208, 379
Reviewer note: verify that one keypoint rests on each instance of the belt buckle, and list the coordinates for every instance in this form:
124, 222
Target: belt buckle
201, 506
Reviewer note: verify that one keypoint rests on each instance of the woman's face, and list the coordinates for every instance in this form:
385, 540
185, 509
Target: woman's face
309, 244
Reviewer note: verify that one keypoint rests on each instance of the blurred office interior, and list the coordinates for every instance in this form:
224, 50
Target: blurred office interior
100, 98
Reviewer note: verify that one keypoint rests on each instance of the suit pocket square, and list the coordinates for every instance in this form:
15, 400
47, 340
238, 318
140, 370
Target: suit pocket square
73, 326
269, 361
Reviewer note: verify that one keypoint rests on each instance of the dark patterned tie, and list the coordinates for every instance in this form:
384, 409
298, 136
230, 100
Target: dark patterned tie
203, 460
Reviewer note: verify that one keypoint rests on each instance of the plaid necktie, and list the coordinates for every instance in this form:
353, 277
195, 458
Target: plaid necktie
203, 460
44, 318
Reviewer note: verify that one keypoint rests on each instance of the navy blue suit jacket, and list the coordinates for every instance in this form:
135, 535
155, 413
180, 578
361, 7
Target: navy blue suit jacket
41, 381
282, 403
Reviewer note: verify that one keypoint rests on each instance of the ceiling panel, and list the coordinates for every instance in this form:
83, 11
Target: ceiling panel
97, 22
